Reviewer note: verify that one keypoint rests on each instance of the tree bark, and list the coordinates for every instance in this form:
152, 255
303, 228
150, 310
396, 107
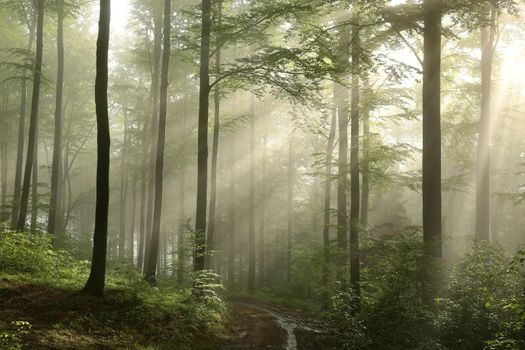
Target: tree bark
211, 240
34, 118
342, 181
365, 195
57, 143
483, 155
327, 197
96, 280
151, 262
432, 128
355, 194
289, 206
21, 128
154, 126
251, 215
231, 217
34, 185
123, 191
262, 222
202, 139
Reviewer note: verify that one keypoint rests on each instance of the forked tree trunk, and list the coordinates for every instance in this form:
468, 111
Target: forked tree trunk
151, 262
21, 129
34, 118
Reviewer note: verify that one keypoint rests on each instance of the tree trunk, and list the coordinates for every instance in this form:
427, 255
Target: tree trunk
34, 185
202, 140
211, 239
432, 127
181, 251
34, 118
289, 206
131, 238
365, 195
96, 280
143, 199
57, 143
341, 96
231, 217
355, 194
21, 129
3, 150
251, 215
262, 222
483, 156
123, 191
154, 126
151, 262
327, 197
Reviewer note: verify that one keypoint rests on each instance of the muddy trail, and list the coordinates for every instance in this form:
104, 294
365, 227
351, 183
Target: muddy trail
259, 326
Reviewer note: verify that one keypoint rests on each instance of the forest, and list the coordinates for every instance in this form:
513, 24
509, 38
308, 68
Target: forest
262, 174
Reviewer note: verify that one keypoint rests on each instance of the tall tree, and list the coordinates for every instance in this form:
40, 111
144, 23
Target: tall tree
154, 122
151, 262
328, 195
57, 143
251, 214
432, 10
231, 216
365, 192
341, 97
354, 166
262, 205
483, 156
32, 19
97, 276
202, 138
211, 239
31, 145
123, 189
289, 206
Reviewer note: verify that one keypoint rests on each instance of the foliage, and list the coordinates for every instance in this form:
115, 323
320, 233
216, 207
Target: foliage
482, 306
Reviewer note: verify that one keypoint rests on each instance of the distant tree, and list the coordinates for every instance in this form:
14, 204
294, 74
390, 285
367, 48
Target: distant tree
483, 157
31, 145
251, 213
97, 276
151, 263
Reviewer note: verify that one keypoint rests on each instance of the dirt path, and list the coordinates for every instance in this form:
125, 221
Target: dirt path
256, 326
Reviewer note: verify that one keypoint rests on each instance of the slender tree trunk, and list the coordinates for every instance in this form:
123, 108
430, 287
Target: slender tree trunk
355, 279
291, 171
34, 186
181, 255
211, 239
151, 262
432, 127
251, 215
327, 197
202, 139
365, 195
97, 276
123, 192
342, 181
143, 198
3, 151
21, 129
262, 222
154, 126
483, 156
57, 143
34, 118
231, 217
131, 238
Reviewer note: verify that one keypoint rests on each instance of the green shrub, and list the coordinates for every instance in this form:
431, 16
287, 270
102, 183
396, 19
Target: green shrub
23, 252
482, 305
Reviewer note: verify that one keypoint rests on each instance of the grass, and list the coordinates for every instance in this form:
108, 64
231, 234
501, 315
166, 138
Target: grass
41, 307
